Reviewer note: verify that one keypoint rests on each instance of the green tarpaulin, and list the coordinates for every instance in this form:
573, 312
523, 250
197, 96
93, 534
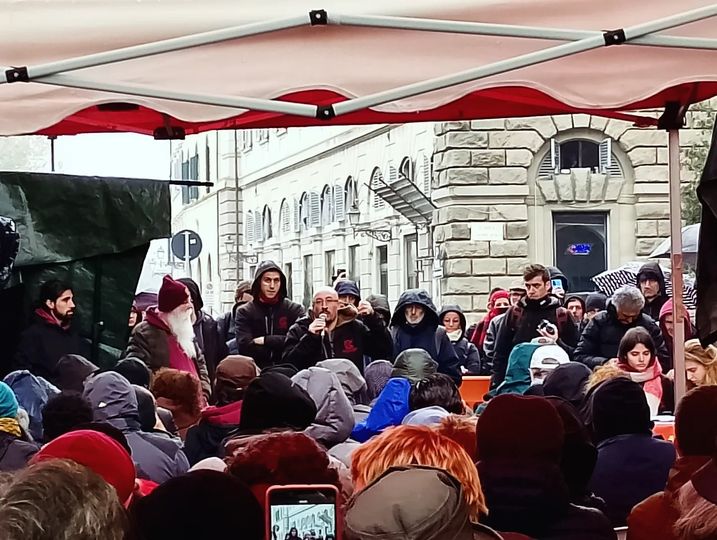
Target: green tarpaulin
91, 231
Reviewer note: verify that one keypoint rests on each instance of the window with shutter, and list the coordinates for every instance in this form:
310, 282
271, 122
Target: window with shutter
554, 156
285, 217
249, 227
305, 211
296, 216
351, 195
392, 174
605, 156
267, 232
339, 206
406, 169
427, 176
376, 182
327, 206
257, 227
315, 211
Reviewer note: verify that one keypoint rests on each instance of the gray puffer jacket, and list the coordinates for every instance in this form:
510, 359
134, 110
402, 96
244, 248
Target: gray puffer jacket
157, 457
334, 419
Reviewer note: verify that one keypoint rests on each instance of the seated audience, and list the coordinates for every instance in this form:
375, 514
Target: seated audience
181, 393
32, 393
390, 408
436, 390
63, 413
377, 374
631, 464
15, 446
135, 371
461, 429
414, 365
697, 505
568, 381
72, 372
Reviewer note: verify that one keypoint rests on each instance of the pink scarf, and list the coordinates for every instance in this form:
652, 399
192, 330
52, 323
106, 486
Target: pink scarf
649, 379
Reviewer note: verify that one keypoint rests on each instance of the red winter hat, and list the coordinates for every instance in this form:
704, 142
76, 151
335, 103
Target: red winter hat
172, 294
514, 427
99, 453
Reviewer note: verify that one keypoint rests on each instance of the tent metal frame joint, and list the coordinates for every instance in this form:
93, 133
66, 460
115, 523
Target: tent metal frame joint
325, 112
615, 37
673, 117
17, 74
319, 17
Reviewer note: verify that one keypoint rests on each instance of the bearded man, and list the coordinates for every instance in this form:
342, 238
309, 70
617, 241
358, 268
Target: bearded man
50, 336
165, 338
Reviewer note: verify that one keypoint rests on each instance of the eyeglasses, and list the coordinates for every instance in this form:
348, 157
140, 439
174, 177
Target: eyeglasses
327, 302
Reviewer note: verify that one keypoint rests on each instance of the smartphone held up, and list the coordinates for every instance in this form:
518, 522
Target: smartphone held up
305, 512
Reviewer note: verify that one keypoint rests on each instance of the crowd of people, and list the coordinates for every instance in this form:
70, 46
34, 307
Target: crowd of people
187, 433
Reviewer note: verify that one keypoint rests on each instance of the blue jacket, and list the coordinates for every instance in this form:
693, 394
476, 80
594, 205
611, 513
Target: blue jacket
426, 335
32, 394
629, 469
390, 409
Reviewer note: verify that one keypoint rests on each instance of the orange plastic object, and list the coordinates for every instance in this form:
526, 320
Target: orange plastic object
473, 388
665, 429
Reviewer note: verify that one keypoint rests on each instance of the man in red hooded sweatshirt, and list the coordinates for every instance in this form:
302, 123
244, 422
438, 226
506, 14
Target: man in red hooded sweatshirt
165, 338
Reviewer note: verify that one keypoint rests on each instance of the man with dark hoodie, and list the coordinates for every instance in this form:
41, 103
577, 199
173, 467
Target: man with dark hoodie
415, 325
157, 457
454, 321
523, 322
205, 439
262, 324
651, 282
226, 323
379, 303
332, 330
206, 332
50, 336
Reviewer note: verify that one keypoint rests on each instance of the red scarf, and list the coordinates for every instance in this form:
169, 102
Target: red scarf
485, 323
269, 301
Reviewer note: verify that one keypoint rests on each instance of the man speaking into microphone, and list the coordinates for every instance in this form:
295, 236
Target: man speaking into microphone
332, 329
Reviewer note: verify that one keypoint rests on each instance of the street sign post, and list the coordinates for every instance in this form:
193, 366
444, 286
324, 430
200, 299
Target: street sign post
186, 245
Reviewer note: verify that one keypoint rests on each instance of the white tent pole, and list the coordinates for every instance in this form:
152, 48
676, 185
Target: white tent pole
678, 353
254, 104
530, 59
163, 46
509, 30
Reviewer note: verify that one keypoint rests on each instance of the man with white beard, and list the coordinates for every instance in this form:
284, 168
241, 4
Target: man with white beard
165, 338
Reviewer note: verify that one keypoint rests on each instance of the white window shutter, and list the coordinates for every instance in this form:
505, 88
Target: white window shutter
339, 202
605, 156
314, 209
258, 229
555, 155
392, 174
296, 216
249, 227
285, 217
426, 176
376, 182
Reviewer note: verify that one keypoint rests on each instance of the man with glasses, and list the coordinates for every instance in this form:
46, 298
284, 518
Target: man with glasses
525, 321
333, 329
601, 337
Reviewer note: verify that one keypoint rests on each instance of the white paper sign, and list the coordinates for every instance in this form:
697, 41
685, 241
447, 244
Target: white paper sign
487, 231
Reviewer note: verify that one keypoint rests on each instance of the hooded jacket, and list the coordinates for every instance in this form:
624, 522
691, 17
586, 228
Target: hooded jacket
414, 365
353, 338
157, 457
206, 331
468, 355
72, 370
557, 273
150, 342
334, 417
390, 409
427, 504
426, 335
206, 439
43, 343
653, 308
272, 322
226, 327
568, 381
380, 305
601, 338
520, 325
15, 452
668, 308
631, 464
32, 394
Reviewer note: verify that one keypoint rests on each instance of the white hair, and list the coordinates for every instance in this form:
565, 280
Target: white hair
628, 297
179, 321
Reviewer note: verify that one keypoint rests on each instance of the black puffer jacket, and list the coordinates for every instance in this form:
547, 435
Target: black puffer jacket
272, 322
353, 338
520, 325
601, 338
468, 355
653, 308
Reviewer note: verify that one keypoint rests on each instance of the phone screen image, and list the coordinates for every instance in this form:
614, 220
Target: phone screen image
302, 514
556, 283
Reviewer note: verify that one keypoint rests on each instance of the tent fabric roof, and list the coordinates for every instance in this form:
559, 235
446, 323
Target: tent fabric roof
327, 64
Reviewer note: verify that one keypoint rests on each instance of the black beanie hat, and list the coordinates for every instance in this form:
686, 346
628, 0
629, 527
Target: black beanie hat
595, 302
272, 400
619, 407
171, 511
347, 287
696, 422
134, 370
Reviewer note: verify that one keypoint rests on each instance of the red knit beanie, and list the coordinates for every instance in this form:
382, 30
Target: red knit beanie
172, 294
98, 452
516, 427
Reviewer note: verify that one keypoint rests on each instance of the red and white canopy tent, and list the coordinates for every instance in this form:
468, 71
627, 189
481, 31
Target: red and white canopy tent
175, 67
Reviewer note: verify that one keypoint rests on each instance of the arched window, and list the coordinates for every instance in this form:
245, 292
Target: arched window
377, 181
267, 231
327, 206
351, 193
249, 226
285, 217
580, 154
406, 169
304, 211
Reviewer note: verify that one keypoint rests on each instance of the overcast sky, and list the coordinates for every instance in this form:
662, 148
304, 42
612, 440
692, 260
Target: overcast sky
113, 154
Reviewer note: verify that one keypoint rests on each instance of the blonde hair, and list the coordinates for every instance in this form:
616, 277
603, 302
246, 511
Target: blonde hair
418, 445
706, 357
604, 373
698, 516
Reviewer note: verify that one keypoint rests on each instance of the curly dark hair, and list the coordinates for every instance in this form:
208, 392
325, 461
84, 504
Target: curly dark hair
283, 458
63, 413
